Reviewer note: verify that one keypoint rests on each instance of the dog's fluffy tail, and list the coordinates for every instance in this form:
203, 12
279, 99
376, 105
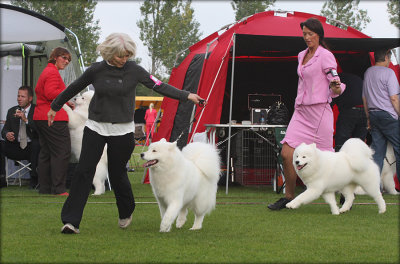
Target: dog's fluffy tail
205, 157
358, 153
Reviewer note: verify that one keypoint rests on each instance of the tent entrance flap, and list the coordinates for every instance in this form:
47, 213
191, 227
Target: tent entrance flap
182, 118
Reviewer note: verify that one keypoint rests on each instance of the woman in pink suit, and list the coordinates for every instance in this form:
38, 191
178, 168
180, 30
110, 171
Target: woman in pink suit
55, 142
150, 117
312, 120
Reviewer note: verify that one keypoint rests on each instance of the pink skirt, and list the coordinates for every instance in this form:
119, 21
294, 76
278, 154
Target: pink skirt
311, 124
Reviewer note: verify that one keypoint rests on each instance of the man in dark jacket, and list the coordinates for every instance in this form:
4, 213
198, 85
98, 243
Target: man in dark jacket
19, 132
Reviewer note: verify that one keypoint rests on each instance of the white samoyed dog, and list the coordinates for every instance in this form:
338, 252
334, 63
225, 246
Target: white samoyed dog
387, 174
325, 172
183, 179
77, 119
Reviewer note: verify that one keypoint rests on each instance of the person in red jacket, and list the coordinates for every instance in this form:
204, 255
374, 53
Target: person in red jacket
55, 142
150, 117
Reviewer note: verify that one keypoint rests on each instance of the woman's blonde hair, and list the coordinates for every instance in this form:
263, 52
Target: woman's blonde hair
117, 44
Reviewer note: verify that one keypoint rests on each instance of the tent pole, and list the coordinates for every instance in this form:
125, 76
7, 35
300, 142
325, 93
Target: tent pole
79, 49
230, 115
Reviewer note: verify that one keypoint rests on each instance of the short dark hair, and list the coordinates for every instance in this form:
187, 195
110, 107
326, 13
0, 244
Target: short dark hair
381, 54
315, 25
26, 88
57, 52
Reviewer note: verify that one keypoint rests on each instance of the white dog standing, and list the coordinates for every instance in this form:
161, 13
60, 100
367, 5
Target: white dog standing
77, 119
183, 179
325, 172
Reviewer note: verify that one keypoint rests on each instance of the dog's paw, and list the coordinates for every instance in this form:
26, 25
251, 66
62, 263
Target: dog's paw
179, 224
165, 229
292, 205
195, 228
382, 211
342, 210
335, 212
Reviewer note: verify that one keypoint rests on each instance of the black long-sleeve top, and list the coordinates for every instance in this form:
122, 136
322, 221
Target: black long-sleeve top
115, 91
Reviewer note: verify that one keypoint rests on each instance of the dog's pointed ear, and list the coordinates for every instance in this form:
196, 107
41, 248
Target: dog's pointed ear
163, 140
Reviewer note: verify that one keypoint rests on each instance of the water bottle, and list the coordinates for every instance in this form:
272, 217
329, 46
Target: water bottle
262, 118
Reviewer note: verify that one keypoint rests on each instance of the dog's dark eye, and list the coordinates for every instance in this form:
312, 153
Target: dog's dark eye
304, 157
154, 150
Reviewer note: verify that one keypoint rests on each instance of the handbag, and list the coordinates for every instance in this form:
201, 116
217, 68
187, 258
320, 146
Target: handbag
278, 114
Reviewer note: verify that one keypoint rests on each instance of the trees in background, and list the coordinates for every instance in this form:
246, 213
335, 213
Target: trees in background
393, 7
244, 8
167, 27
75, 15
346, 12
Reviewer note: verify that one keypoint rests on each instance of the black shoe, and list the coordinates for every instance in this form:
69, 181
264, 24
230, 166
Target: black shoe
280, 204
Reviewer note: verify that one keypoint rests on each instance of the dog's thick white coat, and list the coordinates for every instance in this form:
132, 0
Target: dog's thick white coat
387, 174
76, 124
325, 172
183, 180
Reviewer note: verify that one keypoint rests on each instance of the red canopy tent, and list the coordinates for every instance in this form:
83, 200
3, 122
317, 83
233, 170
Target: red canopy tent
265, 58
257, 55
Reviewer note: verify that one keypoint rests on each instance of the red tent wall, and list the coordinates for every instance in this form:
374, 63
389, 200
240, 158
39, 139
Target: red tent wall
265, 23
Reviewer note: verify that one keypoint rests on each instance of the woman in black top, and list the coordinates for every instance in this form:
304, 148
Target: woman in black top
110, 122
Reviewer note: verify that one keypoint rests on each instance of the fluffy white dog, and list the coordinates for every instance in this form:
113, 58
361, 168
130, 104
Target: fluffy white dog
77, 119
325, 172
183, 179
387, 174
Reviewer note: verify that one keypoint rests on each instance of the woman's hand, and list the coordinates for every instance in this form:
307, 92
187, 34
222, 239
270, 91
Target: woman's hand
196, 99
335, 86
50, 117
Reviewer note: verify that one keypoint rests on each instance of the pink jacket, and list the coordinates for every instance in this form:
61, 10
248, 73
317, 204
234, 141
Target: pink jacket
150, 116
313, 86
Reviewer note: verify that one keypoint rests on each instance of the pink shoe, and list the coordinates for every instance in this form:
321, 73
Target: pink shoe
63, 194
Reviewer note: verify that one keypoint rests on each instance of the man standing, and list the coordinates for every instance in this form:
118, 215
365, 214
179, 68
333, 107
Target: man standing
351, 122
382, 106
19, 132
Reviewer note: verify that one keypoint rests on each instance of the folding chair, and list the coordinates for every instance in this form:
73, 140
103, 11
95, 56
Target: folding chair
140, 135
22, 169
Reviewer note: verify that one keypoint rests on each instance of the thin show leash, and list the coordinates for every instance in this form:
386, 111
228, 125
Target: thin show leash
334, 74
202, 104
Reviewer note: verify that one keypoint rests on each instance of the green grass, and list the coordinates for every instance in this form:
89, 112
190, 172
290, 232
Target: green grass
240, 230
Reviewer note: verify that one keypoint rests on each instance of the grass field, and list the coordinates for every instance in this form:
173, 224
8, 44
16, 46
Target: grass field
240, 230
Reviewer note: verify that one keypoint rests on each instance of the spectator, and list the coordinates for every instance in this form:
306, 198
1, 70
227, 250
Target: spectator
312, 120
382, 107
55, 141
150, 117
20, 134
110, 122
351, 122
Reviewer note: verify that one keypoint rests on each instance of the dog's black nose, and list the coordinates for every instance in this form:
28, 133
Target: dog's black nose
297, 162
141, 155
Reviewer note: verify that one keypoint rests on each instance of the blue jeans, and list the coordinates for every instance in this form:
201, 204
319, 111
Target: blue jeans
385, 128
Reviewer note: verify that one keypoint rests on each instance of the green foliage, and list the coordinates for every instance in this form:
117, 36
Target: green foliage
393, 7
166, 28
244, 8
346, 12
76, 15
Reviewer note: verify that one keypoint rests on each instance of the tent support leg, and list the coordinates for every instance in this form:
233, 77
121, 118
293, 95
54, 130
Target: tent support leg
230, 116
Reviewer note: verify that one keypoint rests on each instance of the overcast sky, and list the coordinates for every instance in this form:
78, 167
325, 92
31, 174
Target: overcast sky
121, 16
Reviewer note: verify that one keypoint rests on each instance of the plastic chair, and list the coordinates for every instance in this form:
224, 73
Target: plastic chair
22, 169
